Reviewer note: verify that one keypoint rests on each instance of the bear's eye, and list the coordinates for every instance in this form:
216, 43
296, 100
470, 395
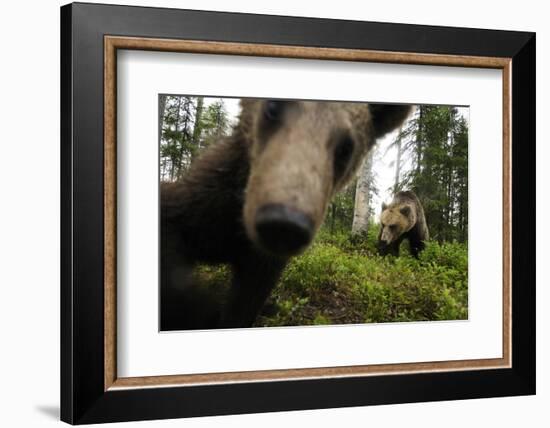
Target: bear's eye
342, 154
273, 110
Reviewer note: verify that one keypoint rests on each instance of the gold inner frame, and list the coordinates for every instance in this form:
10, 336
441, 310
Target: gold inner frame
113, 43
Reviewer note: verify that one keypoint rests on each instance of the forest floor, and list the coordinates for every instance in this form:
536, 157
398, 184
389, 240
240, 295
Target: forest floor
342, 280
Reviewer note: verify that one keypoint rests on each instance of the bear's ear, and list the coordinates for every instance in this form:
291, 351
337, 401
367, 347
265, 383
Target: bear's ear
384, 206
387, 117
406, 210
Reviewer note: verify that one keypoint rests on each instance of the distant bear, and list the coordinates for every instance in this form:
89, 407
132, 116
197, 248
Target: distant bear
402, 219
255, 199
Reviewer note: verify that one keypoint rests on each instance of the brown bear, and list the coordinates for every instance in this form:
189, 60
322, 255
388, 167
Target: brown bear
257, 198
402, 219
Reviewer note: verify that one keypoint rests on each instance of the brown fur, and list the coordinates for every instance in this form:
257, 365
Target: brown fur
402, 219
289, 153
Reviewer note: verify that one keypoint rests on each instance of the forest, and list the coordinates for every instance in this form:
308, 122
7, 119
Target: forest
341, 278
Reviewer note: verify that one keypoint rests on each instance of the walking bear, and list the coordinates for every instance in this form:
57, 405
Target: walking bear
402, 219
255, 199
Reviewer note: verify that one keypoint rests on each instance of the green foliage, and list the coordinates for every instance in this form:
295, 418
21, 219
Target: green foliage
215, 122
342, 280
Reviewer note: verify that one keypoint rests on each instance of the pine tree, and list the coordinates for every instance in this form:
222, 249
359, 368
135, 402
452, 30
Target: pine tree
186, 127
436, 141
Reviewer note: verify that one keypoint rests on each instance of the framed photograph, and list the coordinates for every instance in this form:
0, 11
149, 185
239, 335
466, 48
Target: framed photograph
266, 213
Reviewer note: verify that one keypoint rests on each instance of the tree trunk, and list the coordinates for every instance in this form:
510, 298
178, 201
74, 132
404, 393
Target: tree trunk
183, 163
419, 138
174, 160
162, 108
197, 128
463, 214
397, 164
361, 209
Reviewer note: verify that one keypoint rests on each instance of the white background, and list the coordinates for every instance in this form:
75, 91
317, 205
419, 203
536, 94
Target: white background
29, 226
142, 351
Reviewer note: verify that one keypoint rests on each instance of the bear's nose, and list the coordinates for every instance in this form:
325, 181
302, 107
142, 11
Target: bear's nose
282, 230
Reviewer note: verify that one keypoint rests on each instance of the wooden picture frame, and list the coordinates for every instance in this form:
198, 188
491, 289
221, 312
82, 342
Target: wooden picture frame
91, 391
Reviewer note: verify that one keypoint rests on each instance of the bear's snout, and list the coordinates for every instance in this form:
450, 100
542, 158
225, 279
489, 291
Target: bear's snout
282, 230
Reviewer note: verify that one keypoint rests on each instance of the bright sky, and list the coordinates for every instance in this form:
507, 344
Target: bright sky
383, 165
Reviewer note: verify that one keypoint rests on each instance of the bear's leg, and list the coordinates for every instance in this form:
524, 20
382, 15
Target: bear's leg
184, 304
416, 247
394, 250
414, 250
253, 279
188, 306
394, 247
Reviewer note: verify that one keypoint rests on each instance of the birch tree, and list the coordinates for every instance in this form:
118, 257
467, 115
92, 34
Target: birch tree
361, 212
